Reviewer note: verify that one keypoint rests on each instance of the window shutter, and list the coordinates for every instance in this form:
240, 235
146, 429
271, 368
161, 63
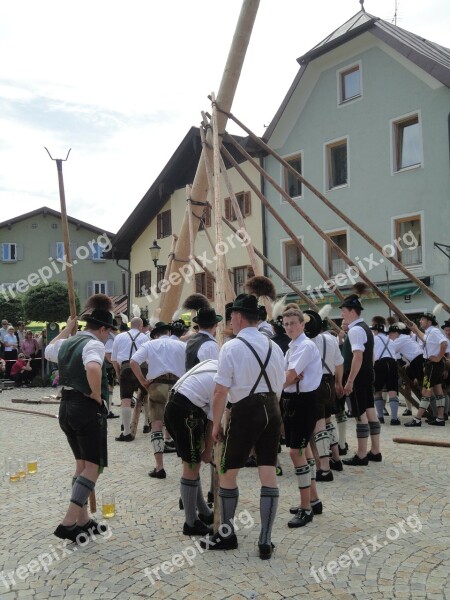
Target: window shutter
158, 226
228, 209
198, 283
3, 251
19, 251
52, 250
209, 287
110, 288
136, 285
89, 288
73, 247
247, 204
168, 228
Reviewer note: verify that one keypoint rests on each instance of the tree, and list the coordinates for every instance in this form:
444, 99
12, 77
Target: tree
11, 309
48, 302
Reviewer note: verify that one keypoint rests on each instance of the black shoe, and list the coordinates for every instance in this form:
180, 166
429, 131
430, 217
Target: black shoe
180, 504
355, 461
336, 465
413, 423
92, 527
381, 419
64, 533
198, 528
317, 508
210, 498
395, 422
265, 551
111, 415
301, 519
219, 542
278, 471
324, 475
385, 413
343, 451
169, 444
208, 519
146, 429
438, 422
407, 413
161, 474
374, 457
125, 438
251, 461
168, 449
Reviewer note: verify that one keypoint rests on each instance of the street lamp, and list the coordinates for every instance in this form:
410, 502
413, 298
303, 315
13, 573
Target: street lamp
154, 251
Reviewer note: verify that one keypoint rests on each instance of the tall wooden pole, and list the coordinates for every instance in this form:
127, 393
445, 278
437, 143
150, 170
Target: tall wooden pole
398, 265
199, 190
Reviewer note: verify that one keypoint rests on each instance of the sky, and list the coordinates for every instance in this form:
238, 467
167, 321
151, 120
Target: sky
121, 84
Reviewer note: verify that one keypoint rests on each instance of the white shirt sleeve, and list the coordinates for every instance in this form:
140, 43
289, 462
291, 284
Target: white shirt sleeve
357, 337
140, 355
225, 368
94, 351
299, 358
208, 350
52, 351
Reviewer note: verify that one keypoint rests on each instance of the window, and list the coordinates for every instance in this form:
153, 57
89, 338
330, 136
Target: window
336, 164
204, 284
244, 201
99, 287
206, 220
11, 252
292, 185
160, 273
142, 283
292, 262
240, 276
164, 224
408, 238
350, 84
57, 250
407, 138
336, 264
97, 251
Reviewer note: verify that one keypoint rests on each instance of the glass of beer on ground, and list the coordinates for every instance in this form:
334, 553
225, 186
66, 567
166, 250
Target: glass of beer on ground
108, 506
12, 469
32, 465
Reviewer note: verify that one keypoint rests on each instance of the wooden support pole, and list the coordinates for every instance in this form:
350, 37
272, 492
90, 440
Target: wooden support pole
225, 97
340, 214
285, 280
168, 270
418, 442
201, 264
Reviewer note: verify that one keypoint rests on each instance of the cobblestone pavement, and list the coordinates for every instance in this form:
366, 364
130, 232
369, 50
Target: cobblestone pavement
404, 502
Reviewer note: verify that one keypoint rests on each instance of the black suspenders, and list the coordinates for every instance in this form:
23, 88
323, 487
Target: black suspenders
133, 343
262, 366
385, 347
324, 364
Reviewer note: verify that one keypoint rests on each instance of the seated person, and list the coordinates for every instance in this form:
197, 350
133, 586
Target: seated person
21, 371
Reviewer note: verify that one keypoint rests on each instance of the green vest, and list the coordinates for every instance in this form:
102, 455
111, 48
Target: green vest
71, 368
367, 362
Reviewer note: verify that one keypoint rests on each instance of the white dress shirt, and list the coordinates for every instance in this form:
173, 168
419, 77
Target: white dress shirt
123, 344
406, 347
383, 347
432, 342
333, 356
164, 355
356, 335
208, 350
303, 356
198, 385
238, 368
94, 350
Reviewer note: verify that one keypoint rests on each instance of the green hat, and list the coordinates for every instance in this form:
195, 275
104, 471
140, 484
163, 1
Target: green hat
101, 317
246, 304
160, 326
206, 317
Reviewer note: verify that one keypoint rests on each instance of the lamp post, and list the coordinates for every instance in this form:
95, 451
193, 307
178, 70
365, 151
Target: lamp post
154, 251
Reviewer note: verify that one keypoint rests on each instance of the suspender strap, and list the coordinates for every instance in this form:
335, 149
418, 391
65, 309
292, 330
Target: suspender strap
324, 364
385, 347
262, 366
133, 343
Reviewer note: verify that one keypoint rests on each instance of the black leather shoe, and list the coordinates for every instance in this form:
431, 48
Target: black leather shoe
374, 457
324, 476
336, 465
395, 422
265, 551
413, 423
112, 416
125, 438
219, 542
208, 519
438, 422
92, 527
317, 508
198, 528
210, 498
73, 534
169, 449
161, 474
355, 461
146, 429
343, 451
407, 413
381, 419
301, 519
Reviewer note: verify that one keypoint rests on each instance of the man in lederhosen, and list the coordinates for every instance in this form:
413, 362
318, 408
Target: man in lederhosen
359, 377
386, 370
124, 346
83, 410
203, 346
165, 357
251, 375
434, 349
188, 418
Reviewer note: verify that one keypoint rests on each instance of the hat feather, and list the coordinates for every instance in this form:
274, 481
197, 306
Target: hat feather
124, 318
136, 310
360, 288
196, 302
401, 325
177, 314
99, 302
155, 317
261, 286
325, 311
278, 308
438, 308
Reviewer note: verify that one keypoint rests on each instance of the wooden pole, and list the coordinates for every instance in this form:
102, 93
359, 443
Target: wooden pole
285, 280
168, 267
323, 235
418, 442
225, 97
340, 214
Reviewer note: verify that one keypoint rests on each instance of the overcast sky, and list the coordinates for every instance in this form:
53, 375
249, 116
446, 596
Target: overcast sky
121, 83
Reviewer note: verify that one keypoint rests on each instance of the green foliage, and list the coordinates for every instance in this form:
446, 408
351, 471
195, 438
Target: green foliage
48, 302
12, 309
